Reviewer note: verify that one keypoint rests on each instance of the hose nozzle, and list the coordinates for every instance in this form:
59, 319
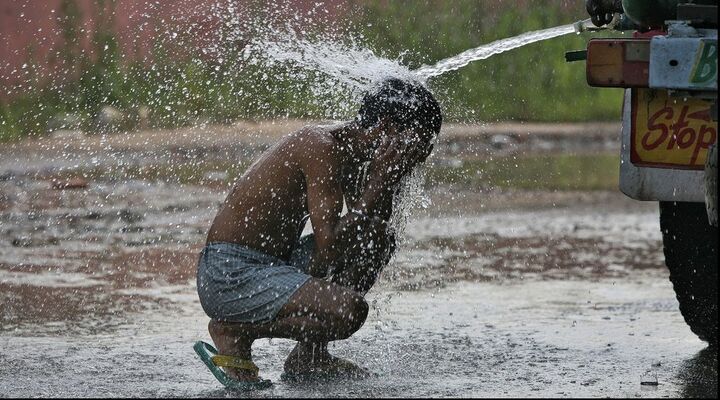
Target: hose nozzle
587, 25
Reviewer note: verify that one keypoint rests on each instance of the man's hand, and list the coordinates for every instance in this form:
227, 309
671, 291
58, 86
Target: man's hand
394, 159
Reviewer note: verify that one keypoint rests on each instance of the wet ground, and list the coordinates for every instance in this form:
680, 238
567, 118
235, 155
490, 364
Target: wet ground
493, 293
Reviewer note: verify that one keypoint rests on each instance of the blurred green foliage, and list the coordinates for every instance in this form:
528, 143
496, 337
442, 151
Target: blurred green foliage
547, 171
530, 83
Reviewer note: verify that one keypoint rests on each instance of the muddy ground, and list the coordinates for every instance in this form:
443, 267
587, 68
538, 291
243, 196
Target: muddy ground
495, 292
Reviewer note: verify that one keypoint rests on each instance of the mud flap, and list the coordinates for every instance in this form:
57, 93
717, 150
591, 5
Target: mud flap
711, 188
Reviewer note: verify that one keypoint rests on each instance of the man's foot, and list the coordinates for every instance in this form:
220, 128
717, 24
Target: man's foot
312, 361
231, 341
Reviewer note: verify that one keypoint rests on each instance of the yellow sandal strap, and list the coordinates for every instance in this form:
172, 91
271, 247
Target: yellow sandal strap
235, 362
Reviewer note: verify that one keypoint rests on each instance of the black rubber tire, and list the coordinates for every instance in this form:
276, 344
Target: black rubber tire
691, 254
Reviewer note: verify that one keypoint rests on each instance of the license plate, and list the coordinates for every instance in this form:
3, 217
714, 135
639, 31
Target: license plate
669, 132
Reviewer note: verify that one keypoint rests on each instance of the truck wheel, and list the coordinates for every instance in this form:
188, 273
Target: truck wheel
691, 254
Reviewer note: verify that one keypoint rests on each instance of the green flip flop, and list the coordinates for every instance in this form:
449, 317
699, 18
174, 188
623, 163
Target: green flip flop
209, 355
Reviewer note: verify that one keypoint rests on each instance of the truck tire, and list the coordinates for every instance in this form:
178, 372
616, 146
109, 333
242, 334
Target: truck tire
691, 254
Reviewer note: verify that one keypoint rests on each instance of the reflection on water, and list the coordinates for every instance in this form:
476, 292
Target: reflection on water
699, 375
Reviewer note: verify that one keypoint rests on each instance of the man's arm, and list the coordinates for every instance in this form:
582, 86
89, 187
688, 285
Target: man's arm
325, 203
391, 162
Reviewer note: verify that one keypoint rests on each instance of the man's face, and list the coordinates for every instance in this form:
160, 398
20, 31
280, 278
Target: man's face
408, 138
421, 140
384, 130
374, 137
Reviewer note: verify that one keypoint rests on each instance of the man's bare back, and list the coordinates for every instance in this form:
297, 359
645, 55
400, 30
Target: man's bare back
267, 207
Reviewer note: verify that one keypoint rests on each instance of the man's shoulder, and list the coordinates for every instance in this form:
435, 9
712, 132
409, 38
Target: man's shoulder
316, 141
314, 134
317, 146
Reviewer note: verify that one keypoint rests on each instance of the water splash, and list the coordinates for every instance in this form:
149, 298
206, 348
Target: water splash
338, 70
488, 50
344, 65
409, 198
348, 63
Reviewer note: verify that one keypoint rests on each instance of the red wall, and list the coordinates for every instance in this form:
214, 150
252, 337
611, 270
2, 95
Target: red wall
31, 27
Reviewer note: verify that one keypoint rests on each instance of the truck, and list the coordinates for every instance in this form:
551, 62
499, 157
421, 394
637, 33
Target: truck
666, 63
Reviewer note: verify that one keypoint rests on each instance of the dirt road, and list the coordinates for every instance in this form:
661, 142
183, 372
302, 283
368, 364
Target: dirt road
493, 293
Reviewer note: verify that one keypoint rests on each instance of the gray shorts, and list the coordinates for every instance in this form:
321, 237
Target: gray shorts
239, 284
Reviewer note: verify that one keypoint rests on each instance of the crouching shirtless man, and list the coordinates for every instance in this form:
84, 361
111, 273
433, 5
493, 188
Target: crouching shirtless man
258, 278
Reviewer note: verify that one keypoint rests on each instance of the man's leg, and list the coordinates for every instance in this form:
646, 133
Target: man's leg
318, 312
368, 248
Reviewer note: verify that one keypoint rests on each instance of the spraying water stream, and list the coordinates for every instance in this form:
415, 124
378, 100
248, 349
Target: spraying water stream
355, 67
488, 50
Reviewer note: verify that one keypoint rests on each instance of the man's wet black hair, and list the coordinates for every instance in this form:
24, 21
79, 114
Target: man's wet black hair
408, 105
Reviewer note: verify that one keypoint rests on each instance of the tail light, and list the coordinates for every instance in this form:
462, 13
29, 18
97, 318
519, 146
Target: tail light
618, 62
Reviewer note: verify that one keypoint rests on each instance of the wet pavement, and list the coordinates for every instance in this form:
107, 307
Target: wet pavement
521, 339
493, 293
569, 301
